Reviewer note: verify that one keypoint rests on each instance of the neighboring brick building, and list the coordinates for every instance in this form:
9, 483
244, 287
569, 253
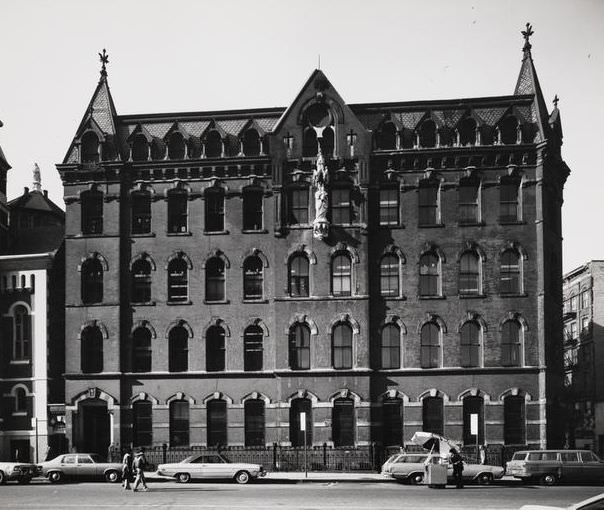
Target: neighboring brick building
223, 274
4, 168
583, 291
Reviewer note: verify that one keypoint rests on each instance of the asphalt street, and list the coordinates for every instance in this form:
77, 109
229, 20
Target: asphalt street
284, 496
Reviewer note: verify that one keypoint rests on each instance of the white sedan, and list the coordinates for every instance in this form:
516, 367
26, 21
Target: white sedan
595, 503
210, 465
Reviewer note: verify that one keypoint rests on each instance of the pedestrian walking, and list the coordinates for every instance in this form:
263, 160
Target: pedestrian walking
127, 469
457, 462
138, 465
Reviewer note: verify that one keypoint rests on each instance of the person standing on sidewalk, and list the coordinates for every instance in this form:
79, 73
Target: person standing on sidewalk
457, 462
139, 466
127, 469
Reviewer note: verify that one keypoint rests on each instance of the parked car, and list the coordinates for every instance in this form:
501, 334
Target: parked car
410, 467
74, 466
595, 503
19, 471
553, 466
210, 465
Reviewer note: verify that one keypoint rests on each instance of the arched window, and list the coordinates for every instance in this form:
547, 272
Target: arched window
469, 273
429, 274
514, 420
341, 206
91, 284
178, 356
386, 137
176, 146
296, 434
90, 148
467, 132
21, 333
469, 202
310, 148
177, 211
141, 281
20, 400
213, 145
299, 347
391, 346
157, 150
142, 423
392, 422
141, 350
215, 288
179, 423
510, 343
214, 209
297, 206
341, 275
430, 345
510, 277
254, 422
178, 282
141, 212
432, 415
252, 348
252, 209
343, 422
298, 276
327, 142
251, 143
509, 200
140, 148
473, 405
217, 423
428, 203
215, 349
91, 212
470, 344
252, 278
91, 350
427, 134
341, 346
508, 129
389, 275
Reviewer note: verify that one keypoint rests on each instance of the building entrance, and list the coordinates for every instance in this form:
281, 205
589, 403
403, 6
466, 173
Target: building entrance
93, 434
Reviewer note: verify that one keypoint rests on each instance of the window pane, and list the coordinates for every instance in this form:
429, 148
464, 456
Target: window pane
514, 420
253, 348
508, 202
432, 414
217, 423
298, 276
141, 213
254, 423
340, 207
215, 349
296, 436
391, 346
430, 345
468, 203
214, 211
392, 418
469, 275
343, 422
141, 350
215, 280
252, 278
342, 346
179, 423
341, 275
428, 205
142, 423
178, 285
252, 210
178, 350
389, 275
389, 208
177, 211
510, 343
510, 273
298, 206
429, 275
299, 347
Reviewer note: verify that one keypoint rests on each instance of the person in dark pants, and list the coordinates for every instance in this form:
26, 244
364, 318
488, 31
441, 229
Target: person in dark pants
127, 470
457, 462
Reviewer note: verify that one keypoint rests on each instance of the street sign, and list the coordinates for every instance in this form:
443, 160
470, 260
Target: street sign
474, 424
303, 422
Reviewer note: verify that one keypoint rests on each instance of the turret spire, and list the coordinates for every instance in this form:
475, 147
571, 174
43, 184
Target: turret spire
104, 58
37, 178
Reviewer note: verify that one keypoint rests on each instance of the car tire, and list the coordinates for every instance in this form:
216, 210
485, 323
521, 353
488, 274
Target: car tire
183, 477
242, 477
55, 477
416, 478
2, 477
112, 476
485, 478
549, 479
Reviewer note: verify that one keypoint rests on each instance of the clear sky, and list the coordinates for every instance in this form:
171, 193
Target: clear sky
186, 55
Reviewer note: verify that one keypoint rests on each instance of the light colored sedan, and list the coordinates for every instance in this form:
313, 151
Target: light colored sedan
595, 503
73, 466
20, 471
210, 465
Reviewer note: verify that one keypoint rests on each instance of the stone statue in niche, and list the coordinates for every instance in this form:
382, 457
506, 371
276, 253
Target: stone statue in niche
320, 180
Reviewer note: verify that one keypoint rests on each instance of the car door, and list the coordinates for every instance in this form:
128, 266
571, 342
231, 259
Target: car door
196, 467
69, 465
86, 467
592, 469
572, 467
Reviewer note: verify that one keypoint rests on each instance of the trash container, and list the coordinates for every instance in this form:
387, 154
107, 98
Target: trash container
436, 473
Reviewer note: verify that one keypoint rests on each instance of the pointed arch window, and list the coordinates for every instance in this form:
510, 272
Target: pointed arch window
511, 336
389, 207
386, 137
389, 275
429, 275
299, 276
341, 275
468, 132
327, 142
514, 420
341, 346
508, 129
142, 423
341, 206
179, 423
299, 347
432, 415
141, 212
343, 422
253, 350
178, 280
296, 434
141, 281
215, 349
141, 350
21, 333
427, 134
253, 278
391, 346
91, 350
509, 200
177, 211
430, 345
251, 143
215, 280
310, 147
214, 209
90, 148
252, 209
254, 422
91, 284
91, 212
469, 202
178, 355
429, 203
469, 274
217, 423
470, 338
297, 211
176, 146
213, 145
392, 419
473, 405
140, 148
510, 278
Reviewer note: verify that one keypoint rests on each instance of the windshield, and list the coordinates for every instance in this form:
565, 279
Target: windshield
96, 458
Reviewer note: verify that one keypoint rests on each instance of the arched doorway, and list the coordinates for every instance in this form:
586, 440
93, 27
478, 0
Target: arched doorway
92, 431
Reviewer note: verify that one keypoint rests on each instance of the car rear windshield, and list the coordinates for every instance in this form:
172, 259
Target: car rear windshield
543, 456
519, 456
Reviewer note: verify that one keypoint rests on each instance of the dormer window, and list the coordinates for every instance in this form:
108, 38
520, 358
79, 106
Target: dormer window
386, 137
327, 142
508, 130
140, 148
251, 143
310, 147
90, 148
427, 134
214, 144
176, 146
467, 132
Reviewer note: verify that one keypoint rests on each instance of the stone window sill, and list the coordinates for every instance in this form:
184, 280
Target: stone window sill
215, 232
261, 231
176, 303
431, 297
218, 302
143, 303
472, 296
436, 225
146, 234
254, 300
178, 234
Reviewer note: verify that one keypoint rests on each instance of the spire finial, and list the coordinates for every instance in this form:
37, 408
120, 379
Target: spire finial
104, 58
319, 63
37, 178
527, 35
555, 101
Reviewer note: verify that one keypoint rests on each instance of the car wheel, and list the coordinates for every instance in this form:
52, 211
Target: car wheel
112, 476
416, 478
242, 477
485, 478
2, 477
549, 479
183, 477
55, 477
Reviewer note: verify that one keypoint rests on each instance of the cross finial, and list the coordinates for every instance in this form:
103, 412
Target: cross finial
555, 101
527, 35
104, 58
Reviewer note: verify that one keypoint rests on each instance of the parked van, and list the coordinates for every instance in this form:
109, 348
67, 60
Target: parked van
553, 466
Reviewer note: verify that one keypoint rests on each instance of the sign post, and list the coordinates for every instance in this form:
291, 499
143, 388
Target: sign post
34, 424
474, 432
303, 429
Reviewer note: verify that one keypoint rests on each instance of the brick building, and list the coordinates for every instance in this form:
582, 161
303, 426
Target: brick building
382, 267
583, 291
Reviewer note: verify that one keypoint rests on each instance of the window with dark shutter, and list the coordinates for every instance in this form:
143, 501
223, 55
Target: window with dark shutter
251, 143
141, 350
296, 434
514, 420
217, 423
142, 423
343, 422
178, 355
91, 354
177, 211
92, 212
179, 423
90, 148
215, 280
432, 415
141, 212
254, 422
253, 348
141, 281
473, 405
215, 349
392, 419
252, 209
214, 209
